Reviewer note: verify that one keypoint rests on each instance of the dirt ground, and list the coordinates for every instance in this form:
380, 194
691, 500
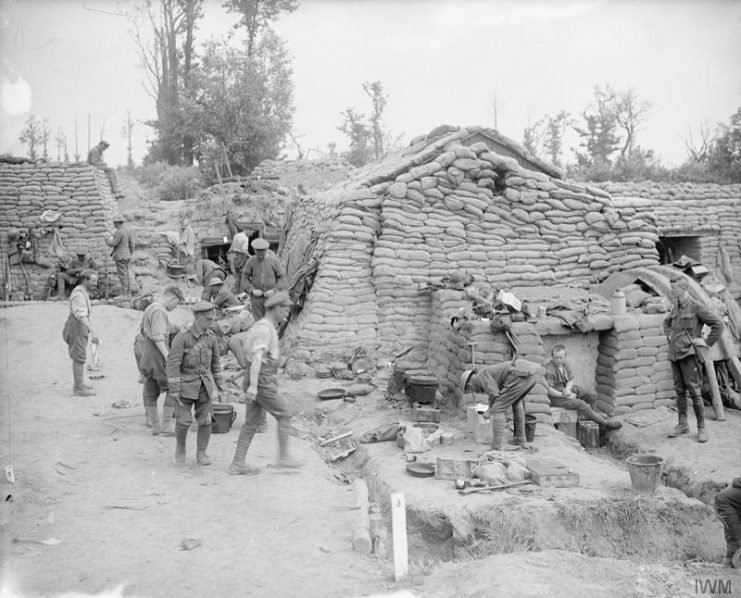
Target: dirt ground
98, 503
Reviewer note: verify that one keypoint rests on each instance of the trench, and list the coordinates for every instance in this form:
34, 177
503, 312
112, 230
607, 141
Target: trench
668, 527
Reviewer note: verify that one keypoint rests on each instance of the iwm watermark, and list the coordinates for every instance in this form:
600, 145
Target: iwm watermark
714, 587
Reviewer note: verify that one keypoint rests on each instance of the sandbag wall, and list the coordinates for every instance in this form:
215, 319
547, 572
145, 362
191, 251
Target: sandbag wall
445, 304
708, 210
633, 369
81, 193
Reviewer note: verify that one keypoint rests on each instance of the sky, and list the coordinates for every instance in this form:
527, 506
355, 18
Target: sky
440, 61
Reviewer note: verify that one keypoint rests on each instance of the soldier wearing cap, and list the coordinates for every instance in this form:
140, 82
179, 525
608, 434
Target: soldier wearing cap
79, 328
193, 376
260, 386
206, 271
221, 296
122, 242
150, 349
95, 158
262, 275
507, 384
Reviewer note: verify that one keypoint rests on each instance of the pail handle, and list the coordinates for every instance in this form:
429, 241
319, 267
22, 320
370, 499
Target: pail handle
234, 416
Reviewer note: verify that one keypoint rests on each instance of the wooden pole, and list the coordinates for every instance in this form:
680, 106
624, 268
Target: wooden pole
704, 355
361, 539
399, 524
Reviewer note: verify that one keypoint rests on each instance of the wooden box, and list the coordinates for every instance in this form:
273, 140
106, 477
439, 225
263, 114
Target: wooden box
420, 413
454, 469
545, 472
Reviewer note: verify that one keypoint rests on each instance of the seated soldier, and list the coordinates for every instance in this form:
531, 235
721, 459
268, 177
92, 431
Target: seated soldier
221, 296
563, 393
69, 271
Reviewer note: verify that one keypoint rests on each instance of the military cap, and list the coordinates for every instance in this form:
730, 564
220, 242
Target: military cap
215, 280
260, 243
203, 307
279, 298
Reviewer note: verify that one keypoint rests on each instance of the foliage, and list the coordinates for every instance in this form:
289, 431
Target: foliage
244, 106
598, 132
170, 182
31, 135
724, 159
256, 15
546, 135
354, 125
369, 138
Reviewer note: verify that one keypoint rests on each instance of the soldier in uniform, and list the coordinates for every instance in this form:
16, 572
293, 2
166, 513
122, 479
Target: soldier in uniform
683, 328
262, 275
194, 377
122, 242
507, 384
151, 347
206, 271
69, 272
728, 507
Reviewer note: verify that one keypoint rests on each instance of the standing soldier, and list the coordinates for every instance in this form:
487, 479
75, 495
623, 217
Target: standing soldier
260, 386
683, 327
122, 242
239, 253
78, 329
262, 275
193, 376
153, 345
507, 385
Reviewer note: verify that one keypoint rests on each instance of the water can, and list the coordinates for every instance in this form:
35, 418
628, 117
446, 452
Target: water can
617, 303
224, 416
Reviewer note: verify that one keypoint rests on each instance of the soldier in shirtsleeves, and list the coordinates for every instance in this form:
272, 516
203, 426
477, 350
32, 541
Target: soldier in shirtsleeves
151, 347
194, 377
261, 389
262, 276
78, 329
238, 255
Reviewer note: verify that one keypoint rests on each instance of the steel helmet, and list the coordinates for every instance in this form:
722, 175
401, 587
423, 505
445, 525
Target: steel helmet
465, 377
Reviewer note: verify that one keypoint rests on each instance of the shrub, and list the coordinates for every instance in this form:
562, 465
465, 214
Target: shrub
179, 183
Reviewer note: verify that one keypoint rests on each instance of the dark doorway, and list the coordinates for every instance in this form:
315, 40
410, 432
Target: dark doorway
672, 248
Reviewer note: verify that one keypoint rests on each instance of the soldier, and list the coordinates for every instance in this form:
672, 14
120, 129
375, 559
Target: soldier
78, 329
728, 507
683, 327
220, 296
507, 385
238, 254
260, 386
207, 270
193, 376
562, 391
153, 345
69, 272
95, 158
262, 275
122, 242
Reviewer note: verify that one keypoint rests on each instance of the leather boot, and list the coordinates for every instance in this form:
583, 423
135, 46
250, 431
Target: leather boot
284, 458
238, 466
154, 418
168, 420
681, 427
699, 410
595, 416
80, 389
181, 435
204, 435
519, 421
498, 423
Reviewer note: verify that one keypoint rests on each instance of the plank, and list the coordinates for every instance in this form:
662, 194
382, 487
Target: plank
399, 525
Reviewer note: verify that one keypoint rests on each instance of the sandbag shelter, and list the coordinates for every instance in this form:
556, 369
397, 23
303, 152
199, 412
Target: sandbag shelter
452, 201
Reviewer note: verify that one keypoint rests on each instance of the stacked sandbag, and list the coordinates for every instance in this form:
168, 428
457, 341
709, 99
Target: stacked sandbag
708, 211
633, 371
81, 193
315, 174
446, 303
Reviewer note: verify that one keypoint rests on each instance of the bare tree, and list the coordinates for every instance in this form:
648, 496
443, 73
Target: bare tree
698, 149
494, 107
630, 114
45, 136
126, 132
77, 146
60, 139
374, 90
299, 148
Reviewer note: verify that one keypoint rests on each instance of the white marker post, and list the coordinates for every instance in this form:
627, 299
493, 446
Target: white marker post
399, 527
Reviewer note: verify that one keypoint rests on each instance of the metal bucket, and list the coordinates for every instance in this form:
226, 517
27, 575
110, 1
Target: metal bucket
530, 423
645, 472
224, 416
